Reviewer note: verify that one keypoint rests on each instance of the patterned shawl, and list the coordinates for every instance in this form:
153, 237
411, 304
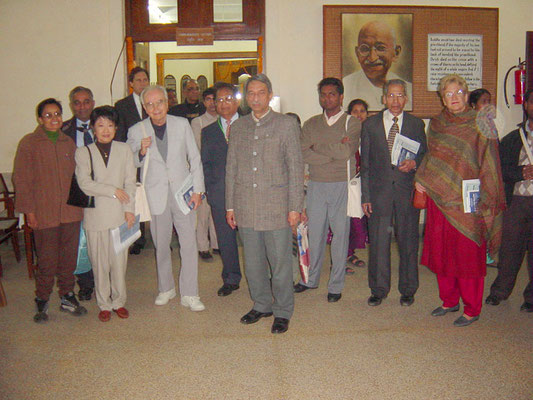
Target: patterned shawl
457, 151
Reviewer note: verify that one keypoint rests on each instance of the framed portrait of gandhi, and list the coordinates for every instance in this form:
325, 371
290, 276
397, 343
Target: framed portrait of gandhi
376, 48
366, 45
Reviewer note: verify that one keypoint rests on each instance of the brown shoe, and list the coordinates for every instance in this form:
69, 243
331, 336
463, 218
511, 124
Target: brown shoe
122, 312
104, 316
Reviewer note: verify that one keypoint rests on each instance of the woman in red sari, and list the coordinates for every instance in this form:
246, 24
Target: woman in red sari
455, 241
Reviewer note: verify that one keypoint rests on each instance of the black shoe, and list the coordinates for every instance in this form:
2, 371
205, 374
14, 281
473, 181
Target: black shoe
526, 307
440, 311
374, 300
42, 311
407, 300
227, 289
216, 251
71, 305
334, 297
253, 316
136, 248
492, 300
85, 294
280, 325
299, 288
206, 256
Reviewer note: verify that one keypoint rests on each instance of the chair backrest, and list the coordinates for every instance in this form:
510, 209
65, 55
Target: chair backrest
4, 190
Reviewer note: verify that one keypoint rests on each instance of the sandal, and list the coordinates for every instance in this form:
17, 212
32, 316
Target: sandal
349, 271
355, 261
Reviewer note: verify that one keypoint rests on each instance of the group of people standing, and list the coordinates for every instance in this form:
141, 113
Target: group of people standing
250, 171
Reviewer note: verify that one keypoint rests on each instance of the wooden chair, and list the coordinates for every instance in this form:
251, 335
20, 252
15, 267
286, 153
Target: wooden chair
8, 228
3, 299
9, 195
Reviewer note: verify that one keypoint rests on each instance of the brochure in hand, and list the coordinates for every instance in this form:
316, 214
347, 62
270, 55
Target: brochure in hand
183, 195
403, 149
123, 237
471, 195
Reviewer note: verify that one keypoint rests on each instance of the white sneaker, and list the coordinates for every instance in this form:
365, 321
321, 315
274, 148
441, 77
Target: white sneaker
163, 297
193, 302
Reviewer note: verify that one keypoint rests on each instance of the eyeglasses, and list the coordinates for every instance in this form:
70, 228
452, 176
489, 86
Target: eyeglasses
52, 115
156, 104
227, 99
365, 49
458, 92
398, 96
193, 89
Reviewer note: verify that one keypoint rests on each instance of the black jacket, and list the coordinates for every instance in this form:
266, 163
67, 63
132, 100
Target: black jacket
510, 148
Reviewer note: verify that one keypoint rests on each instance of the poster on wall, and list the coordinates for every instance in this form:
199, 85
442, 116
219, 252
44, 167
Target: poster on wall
376, 48
455, 54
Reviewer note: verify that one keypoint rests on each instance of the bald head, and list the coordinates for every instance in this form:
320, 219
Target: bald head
376, 51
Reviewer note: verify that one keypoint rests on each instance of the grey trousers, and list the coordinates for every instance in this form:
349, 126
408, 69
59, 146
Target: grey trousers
326, 207
262, 248
205, 228
161, 229
109, 270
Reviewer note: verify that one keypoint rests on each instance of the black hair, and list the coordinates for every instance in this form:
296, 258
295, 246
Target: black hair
333, 82
106, 112
225, 85
476, 95
527, 96
44, 103
353, 103
210, 91
135, 71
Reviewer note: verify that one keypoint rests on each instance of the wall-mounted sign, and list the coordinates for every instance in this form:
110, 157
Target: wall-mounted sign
194, 36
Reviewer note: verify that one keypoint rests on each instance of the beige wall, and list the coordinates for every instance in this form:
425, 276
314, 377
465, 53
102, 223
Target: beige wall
49, 46
294, 47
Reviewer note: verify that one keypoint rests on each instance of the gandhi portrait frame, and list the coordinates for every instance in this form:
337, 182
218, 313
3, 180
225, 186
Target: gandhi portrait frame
392, 63
425, 20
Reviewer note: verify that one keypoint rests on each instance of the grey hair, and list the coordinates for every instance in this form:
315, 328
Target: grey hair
260, 78
78, 89
151, 88
185, 83
394, 82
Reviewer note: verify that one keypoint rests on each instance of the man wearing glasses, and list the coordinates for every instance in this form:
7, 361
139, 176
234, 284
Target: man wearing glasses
192, 107
376, 51
214, 150
386, 186
166, 143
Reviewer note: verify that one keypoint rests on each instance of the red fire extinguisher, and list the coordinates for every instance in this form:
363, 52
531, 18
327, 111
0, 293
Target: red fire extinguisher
519, 83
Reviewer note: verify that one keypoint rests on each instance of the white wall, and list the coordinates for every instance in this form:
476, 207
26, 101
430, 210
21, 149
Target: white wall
294, 47
49, 46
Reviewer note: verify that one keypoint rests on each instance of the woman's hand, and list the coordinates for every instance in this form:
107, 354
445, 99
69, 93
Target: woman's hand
420, 188
145, 144
31, 220
122, 196
196, 200
130, 219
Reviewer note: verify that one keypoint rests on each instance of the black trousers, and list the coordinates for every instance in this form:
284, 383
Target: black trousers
517, 240
86, 280
227, 244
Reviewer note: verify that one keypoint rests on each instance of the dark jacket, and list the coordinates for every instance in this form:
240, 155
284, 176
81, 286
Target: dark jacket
128, 116
510, 148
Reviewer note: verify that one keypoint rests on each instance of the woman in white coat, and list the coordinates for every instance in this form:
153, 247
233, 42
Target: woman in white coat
113, 187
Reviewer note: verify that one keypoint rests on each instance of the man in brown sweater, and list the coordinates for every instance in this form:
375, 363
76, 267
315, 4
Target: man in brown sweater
328, 141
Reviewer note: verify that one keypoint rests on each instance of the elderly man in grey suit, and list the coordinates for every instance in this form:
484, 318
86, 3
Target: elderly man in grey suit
264, 196
169, 143
386, 194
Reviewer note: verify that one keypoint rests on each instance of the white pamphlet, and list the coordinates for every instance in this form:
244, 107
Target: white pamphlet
123, 237
403, 149
471, 195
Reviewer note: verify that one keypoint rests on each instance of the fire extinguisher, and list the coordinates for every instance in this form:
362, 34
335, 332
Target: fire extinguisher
519, 83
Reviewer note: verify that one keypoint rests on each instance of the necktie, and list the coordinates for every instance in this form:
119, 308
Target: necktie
87, 138
395, 129
228, 128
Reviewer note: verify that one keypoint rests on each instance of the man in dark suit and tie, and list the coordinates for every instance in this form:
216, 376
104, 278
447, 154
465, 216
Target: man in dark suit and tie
131, 111
78, 129
214, 150
386, 194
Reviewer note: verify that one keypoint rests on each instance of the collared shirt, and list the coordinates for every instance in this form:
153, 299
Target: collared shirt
138, 104
262, 116
224, 124
334, 118
80, 142
388, 122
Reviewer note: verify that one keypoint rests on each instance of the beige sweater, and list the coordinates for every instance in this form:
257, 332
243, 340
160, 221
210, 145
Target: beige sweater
323, 151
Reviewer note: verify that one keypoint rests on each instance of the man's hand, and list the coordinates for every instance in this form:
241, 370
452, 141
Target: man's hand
367, 208
304, 217
407, 165
230, 219
145, 144
31, 220
122, 196
293, 219
345, 139
527, 172
130, 219
196, 200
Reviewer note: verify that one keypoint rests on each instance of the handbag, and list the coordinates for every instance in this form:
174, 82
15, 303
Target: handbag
354, 207
76, 196
141, 201
420, 200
